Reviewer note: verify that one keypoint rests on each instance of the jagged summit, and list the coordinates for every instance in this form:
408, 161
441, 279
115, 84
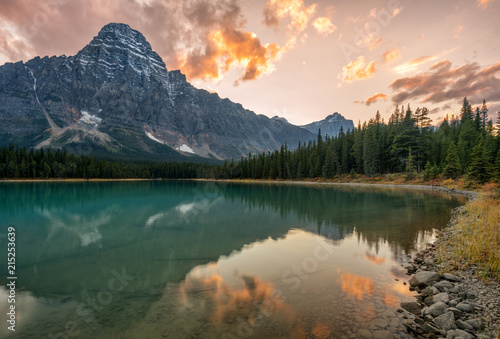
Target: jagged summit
118, 45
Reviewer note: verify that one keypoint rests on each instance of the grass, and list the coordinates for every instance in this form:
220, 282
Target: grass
475, 237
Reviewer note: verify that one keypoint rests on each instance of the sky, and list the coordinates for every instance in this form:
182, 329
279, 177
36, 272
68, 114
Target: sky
297, 59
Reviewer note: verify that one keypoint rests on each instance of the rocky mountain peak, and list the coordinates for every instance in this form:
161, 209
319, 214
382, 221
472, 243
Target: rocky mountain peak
118, 45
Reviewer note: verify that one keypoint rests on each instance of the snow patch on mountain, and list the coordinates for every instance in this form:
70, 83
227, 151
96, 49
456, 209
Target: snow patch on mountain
185, 148
89, 119
152, 137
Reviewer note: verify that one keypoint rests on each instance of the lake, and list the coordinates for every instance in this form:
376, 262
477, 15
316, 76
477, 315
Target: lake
188, 259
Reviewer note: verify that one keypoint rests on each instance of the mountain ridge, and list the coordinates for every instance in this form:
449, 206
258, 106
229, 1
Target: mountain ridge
116, 97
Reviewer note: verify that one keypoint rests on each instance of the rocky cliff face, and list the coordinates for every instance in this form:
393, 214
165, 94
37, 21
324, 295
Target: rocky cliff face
116, 98
330, 125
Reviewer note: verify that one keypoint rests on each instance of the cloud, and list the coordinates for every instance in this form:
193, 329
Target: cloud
412, 65
443, 82
358, 69
295, 10
324, 26
391, 55
13, 47
373, 99
483, 3
202, 38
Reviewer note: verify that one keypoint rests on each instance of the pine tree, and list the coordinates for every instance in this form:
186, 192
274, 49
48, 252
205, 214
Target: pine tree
466, 111
451, 168
484, 114
479, 170
497, 165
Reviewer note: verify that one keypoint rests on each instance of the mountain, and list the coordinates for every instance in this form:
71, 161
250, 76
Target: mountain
115, 98
330, 125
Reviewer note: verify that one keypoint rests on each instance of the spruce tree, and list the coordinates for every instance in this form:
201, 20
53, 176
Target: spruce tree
479, 170
451, 169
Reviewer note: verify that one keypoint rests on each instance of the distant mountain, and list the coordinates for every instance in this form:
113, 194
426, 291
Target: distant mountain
115, 98
330, 125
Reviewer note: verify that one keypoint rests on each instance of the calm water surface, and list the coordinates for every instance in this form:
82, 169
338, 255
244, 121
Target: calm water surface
212, 260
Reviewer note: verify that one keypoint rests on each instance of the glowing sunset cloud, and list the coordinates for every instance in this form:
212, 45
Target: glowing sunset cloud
299, 14
358, 69
391, 55
324, 26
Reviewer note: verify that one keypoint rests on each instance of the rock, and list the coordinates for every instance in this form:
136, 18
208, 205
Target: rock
436, 309
364, 333
446, 321
459, 334
426, 292
453, 302
464, 307
443, 297
471, 295
455, 311
463, 325
423, 279
411, 307
429, 300
474, 323
430, 328
451, 277
419, 320
443, 285
382, 334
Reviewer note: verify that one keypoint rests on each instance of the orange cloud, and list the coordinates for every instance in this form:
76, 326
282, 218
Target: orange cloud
324, 26
483, 3
368, 102
230, 47
443, 82
412, 65
358, 69
391, 55
298, 13
356, 286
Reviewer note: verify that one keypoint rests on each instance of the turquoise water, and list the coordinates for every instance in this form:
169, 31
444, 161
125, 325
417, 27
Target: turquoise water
182, 259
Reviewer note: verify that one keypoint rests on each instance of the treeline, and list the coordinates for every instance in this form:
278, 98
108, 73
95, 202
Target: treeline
21, 163
467, 144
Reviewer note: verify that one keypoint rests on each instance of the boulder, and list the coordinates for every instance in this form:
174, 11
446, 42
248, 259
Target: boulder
423, 279
451, 277
464, 307
436, 309
411, 307
446, 321
459, 334
443, 285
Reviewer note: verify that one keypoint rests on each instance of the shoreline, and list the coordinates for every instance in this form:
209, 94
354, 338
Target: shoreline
451, 305
471, 195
